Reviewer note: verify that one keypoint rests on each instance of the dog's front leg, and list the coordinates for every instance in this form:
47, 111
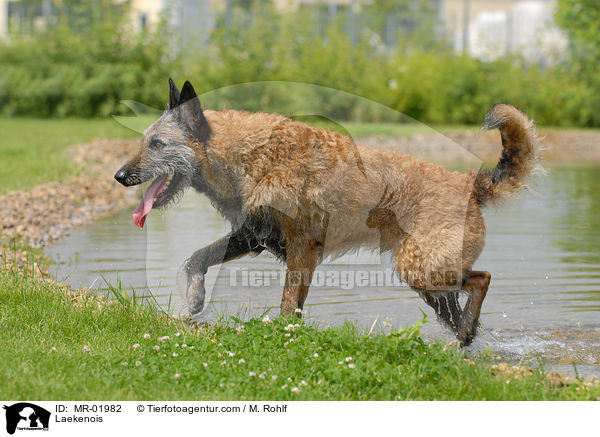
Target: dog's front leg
230, 247
301, 263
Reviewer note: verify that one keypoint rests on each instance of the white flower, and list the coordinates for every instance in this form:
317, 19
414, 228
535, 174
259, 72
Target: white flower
231, 354
191, 347
266, 320
124, 363
240, 329
295, 390
252, 374
156, 348
223, 363
184, 345
340, 362
351, 365
284, 386
165, 338
86, 348
348, 359
274, 377
176, 344
298, 311
291, 327
265, 336
138, 363
146, 336
175, 354
135, 346
164, 355
303, 383
205, 364
289, 379
241, 361
316, 355
177, 376
177, 334
52, 349
262, 375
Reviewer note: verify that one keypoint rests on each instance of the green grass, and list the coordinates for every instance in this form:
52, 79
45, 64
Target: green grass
64, 347
33, 151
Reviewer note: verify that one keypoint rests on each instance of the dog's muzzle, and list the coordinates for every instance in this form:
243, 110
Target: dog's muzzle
127, 177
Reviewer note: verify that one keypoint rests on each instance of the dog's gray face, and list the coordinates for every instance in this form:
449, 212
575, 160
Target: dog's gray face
166, 155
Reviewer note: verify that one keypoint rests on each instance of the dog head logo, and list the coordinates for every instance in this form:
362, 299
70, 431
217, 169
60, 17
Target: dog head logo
26, 416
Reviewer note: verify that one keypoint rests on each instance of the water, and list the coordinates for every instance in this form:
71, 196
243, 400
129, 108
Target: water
542, 250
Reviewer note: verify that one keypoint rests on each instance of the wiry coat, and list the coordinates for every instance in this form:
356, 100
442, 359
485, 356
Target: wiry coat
318, 186
307, 193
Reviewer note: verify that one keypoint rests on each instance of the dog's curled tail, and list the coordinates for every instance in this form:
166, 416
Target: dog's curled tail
519, 158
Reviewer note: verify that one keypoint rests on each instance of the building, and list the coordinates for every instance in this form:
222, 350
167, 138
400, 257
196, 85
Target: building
193, 18
3, 18
490, 29
486, 29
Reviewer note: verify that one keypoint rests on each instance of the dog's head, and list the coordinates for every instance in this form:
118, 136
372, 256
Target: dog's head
168, 151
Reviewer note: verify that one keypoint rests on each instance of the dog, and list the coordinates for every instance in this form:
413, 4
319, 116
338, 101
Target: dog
304, 193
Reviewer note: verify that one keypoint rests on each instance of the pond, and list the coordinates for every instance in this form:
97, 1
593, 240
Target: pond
543, 251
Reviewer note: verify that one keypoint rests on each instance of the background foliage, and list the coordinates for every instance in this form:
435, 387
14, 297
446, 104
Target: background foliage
87, 66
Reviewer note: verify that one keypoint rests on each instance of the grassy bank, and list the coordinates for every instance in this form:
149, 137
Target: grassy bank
65, 346
33, 151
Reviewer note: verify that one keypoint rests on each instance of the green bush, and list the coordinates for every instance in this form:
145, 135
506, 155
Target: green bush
74, 71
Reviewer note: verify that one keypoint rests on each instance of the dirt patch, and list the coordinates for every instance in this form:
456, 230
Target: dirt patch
48, 212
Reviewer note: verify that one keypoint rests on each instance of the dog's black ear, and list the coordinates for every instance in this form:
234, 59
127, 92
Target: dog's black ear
191, 112
173, 95
188, 93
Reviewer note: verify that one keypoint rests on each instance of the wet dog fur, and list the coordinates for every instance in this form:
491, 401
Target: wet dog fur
305, 193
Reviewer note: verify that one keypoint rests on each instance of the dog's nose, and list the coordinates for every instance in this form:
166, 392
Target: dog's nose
120, 176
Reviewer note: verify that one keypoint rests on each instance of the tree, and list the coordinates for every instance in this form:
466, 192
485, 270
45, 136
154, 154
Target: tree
581, 21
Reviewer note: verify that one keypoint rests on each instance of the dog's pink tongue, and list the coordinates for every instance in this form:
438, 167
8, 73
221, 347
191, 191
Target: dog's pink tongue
143, 209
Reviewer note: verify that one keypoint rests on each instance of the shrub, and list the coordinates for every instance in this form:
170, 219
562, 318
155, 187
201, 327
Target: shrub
75, 71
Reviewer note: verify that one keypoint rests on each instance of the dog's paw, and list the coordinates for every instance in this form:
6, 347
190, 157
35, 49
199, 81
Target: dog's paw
466, 334
196, 293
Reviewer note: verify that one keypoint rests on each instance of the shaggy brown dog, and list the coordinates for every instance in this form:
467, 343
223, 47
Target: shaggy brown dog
305, 193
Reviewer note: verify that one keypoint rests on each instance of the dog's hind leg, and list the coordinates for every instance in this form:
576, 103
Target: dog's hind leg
446, 307
230, 247
477, 286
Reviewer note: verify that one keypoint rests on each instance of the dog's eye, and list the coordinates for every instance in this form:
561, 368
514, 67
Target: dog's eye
157, 144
